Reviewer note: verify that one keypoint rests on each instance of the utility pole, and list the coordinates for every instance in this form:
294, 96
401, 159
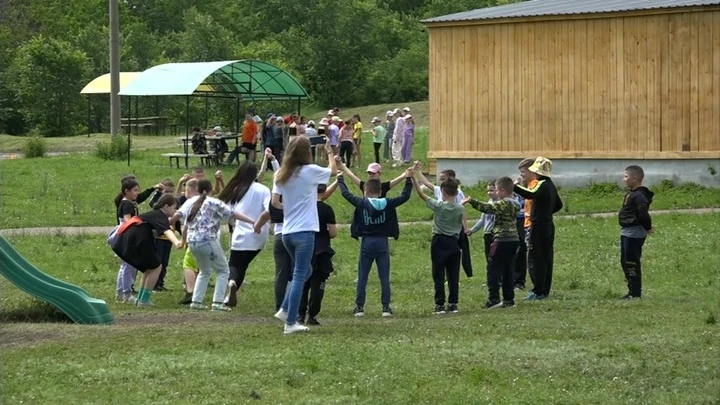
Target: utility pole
114, 68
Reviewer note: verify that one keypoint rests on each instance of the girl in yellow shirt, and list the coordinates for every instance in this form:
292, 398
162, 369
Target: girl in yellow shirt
357, 138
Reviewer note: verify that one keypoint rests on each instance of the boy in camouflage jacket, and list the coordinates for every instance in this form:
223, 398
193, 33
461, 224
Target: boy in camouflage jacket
504, 247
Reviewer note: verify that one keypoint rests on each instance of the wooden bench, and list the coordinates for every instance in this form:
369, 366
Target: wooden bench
205, 160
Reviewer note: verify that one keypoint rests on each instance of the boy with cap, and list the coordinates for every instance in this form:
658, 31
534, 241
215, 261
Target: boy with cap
545, 203
378, 132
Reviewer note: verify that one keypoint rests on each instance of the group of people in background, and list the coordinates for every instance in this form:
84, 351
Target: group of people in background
517, 223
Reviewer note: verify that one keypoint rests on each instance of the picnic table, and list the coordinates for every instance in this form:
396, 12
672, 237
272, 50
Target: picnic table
205, 159
208, 139
149, 124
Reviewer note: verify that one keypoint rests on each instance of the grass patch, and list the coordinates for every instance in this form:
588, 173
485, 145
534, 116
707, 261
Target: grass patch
581, 346
77, 190
83, 143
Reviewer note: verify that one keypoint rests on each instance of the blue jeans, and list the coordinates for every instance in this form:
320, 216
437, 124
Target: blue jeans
300, 246
377, 249
210, 258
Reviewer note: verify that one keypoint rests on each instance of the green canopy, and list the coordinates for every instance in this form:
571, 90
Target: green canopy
245, 79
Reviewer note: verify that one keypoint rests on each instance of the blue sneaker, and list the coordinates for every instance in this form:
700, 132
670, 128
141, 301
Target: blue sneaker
531, 297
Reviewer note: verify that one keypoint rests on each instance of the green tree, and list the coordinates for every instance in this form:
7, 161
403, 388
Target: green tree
49, 75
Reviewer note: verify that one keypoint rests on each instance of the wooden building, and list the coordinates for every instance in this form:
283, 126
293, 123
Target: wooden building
590, 80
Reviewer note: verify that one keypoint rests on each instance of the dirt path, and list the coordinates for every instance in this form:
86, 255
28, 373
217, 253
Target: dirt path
100, 230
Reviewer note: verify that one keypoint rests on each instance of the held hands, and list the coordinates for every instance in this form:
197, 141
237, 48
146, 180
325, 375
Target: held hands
257, 228
466, 200
179, 245
339, 174
417, 165
409, 173
269, 155
218, 175
159, 187
328, 148
468, 232
184, 178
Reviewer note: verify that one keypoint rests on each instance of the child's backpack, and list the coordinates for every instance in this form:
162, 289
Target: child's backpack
198, 143
114, 235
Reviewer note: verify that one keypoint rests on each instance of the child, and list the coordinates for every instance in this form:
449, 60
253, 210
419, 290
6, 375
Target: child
375, 220
408, 139
322, 265
529, 181
546, 202
204, 215
357, 139
135, 243
347, 144
127, 208
374, 171
444, 248
163, 244
503, 250
378, 132
141, 197
487, 221
520, 270
389, 129
636, 224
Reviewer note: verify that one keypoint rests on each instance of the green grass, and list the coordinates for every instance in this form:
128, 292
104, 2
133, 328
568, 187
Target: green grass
581, 346
78, 189
82, 143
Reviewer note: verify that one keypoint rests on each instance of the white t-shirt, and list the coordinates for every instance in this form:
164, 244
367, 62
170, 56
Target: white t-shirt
299, 198
252, 204
458, 199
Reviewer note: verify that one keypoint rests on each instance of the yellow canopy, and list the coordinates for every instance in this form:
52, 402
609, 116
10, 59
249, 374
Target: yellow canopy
101, 84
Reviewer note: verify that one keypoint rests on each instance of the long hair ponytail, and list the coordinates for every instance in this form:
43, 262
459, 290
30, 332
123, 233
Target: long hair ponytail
296, 155
204, 187
239, 185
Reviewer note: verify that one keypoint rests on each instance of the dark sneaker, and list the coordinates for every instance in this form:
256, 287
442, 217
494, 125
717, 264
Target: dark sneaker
231, 300
493, 304
540, 297
387, 311
187, 299
439, 310
519, 287
359, 311
508, 304
629, 296
313, 321
452, 308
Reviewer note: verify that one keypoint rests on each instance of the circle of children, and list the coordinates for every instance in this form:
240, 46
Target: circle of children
517, 218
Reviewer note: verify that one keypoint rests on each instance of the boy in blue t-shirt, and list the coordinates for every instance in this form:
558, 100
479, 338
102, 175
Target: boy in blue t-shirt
374, 221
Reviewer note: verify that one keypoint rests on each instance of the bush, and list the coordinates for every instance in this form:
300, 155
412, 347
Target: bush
35, 147
116, 149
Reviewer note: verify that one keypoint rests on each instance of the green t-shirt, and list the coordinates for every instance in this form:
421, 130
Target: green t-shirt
448, 217
379, 134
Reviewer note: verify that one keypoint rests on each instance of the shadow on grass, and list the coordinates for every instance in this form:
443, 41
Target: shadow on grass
37, 312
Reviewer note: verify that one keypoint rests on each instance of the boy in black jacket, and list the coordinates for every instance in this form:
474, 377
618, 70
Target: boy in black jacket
374, 221
636, 224
546, 202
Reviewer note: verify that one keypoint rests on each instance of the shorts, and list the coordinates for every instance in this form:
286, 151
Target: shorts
189, 262
248, 147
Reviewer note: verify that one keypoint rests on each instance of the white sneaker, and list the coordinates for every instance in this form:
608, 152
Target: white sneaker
129, 299
281, 315
296, 327
220, 308
197, 305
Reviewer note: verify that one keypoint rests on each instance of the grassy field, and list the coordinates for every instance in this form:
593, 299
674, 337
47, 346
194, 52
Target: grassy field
581, 346
77, 190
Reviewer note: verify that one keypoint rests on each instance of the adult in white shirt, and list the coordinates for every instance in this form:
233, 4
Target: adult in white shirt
398, 136
297, 182
244, 194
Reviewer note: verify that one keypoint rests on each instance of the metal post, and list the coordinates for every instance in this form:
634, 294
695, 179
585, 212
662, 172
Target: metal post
88, 117
114, 68
206, 110
137, 115
187, 129
237, 115
298, 111
129, 129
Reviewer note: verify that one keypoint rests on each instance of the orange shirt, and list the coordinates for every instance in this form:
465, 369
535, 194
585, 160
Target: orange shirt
529, 204
249, 132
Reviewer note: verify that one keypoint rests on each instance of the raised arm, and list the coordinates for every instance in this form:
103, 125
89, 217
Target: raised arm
407, 190
181, 185
419, 190
329, 191
397, 180
347, 171
421, 177
331, 159
219, 183
528, 193
267, 157
481, 206
355, 201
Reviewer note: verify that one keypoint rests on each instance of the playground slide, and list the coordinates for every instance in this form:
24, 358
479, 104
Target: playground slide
70, 299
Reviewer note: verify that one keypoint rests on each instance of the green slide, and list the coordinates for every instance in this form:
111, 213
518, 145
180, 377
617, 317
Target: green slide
71, 299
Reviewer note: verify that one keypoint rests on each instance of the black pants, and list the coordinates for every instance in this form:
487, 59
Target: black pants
488, 240
314, 289
164, 247
630, 255
520, 270
465, 255
376, 147
346, 152
239, 263
542, 240
283, 270
445, 257
500, 271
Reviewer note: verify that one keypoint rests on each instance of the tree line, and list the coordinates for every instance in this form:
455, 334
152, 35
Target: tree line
345, 53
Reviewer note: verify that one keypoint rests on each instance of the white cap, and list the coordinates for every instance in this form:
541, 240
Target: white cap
311, 122
388, 113
217, 128
396, 111
407, 116
331, 112
406, 109
376, 119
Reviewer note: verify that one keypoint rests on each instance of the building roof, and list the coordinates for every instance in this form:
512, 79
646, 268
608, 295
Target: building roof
101, 84
538, 8
251, 79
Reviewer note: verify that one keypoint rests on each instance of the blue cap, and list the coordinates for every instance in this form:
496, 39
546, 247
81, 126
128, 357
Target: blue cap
270, 115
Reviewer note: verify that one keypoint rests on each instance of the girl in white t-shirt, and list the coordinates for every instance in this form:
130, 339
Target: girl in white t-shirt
244, 194
297, 182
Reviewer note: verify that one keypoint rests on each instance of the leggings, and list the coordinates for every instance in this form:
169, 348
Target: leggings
346, 152
377, 146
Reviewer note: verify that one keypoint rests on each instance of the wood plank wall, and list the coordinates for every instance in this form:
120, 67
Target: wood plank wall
630, 87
